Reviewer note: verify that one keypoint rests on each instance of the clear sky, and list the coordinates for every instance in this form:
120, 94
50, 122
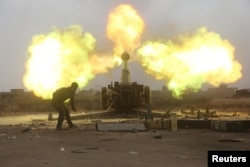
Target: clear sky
20, 20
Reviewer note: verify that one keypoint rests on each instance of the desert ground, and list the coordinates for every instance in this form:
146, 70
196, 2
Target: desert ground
30, 140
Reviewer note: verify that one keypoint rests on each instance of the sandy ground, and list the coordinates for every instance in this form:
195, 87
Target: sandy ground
31, 141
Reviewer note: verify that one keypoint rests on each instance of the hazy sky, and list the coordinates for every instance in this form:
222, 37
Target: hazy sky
20, 20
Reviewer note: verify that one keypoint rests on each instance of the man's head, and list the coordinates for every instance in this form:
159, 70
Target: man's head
74, 86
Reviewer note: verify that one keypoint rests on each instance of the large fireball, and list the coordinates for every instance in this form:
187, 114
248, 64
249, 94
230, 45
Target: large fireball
58, 58
63, 56
124, 28
190, 61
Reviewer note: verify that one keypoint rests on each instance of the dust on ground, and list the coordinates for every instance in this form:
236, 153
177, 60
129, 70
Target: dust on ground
31, 140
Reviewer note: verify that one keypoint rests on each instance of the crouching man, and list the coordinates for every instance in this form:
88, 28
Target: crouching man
58, 99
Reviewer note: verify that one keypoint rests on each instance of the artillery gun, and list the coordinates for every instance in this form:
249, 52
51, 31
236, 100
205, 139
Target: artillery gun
124, 96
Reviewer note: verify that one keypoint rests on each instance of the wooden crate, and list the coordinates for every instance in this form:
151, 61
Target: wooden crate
157, 124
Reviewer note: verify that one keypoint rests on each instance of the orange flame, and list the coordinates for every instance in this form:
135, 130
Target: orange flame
61, 57
191, 61
124, 28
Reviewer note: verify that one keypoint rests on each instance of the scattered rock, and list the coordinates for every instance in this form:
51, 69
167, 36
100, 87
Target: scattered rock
230, 140
133, 152
62, 149
2, 134
78, 152
157, 136
91, 148
26, 129
12, 137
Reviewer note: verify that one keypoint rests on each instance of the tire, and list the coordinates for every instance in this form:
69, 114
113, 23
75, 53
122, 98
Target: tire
147, 97
104, 98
